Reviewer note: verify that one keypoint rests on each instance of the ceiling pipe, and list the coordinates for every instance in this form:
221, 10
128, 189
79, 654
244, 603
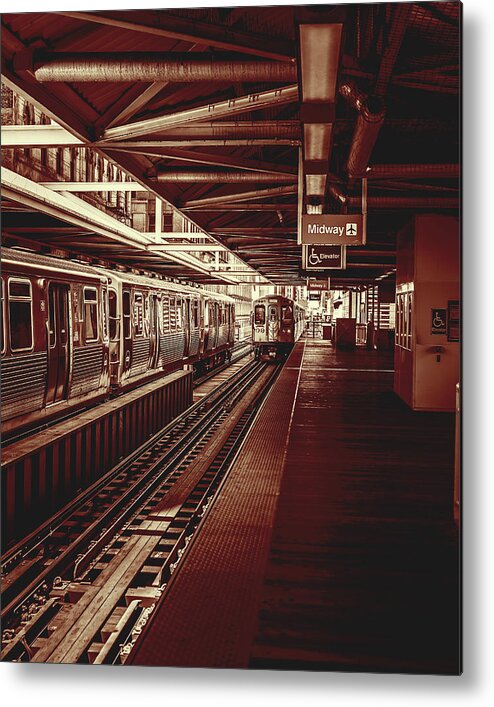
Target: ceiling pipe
369, 122
240, 196
151, 67
371, 110
228, 176
396, 202
413, 171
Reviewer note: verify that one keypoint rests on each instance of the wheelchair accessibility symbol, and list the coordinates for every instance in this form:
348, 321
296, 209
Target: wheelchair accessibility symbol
438, 321
314, 258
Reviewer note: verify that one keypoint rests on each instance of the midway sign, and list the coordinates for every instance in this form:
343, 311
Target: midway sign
333, 229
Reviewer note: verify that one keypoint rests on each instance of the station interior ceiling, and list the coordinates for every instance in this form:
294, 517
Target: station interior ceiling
244, 118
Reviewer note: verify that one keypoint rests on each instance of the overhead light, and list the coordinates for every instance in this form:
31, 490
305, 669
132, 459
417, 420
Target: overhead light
314, 209
315, 184
319, 54
317, 139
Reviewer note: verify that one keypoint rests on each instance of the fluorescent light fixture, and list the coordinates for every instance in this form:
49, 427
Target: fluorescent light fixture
319, 54
317, 139
315, 184
314, 209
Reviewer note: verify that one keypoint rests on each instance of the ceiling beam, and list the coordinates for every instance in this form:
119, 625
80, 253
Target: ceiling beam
50, 104
232, 106
240, 196
226, 161
248, 207
174, 27
93, 186
128, 104
38, 136
188, 248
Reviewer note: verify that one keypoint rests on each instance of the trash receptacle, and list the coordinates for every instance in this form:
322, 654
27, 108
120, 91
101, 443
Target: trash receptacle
326, 332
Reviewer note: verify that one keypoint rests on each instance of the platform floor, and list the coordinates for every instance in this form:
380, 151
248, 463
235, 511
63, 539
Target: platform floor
333, 544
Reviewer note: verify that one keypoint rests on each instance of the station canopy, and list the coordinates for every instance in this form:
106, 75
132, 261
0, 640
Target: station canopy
244, 119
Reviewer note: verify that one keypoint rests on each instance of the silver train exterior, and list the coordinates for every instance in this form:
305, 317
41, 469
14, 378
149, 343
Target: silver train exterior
277, 323
72, 333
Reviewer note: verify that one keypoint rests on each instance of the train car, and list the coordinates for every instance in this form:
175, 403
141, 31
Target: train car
55, 348
157, 326
73, 334
277, 323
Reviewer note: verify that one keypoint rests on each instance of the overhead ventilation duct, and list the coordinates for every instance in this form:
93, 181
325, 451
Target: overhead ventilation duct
371, 110
150, 67
369, 122
413, 171
228, 176
403, 202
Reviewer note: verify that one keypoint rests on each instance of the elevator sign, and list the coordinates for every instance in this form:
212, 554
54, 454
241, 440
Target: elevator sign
324, 257
438, 321
333, 229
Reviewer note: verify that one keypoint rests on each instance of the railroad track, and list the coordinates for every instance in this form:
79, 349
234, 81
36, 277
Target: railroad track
81, 586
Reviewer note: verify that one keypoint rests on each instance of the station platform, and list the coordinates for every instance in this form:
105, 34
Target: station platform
332, 545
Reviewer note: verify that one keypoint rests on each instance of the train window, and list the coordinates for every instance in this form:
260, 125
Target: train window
90, 314
259, 314
410, 315
273, 314
173, 314
20, 315
138, 314
113, 314
179, 314
287, 313
166, 314
195, 314
126, 314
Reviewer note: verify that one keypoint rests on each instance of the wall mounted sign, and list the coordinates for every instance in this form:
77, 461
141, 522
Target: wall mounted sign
438, 321
333, 229
324, 257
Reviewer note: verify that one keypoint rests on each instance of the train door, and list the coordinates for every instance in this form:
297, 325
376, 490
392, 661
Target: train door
214, 324
58, 343
273, 322
186, 314
206, 325
154, 331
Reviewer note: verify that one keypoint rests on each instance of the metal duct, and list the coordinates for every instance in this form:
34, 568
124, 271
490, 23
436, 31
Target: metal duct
187, 68
369, 122
413, 171
396, 202
230, 176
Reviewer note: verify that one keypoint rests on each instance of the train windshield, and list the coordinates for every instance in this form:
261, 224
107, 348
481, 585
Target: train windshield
259, 314
287, 313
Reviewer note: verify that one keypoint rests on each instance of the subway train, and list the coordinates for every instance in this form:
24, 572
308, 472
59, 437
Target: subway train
72, 334
277, 323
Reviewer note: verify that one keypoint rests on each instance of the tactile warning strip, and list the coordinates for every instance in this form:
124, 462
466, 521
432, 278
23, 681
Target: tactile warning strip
209, 614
